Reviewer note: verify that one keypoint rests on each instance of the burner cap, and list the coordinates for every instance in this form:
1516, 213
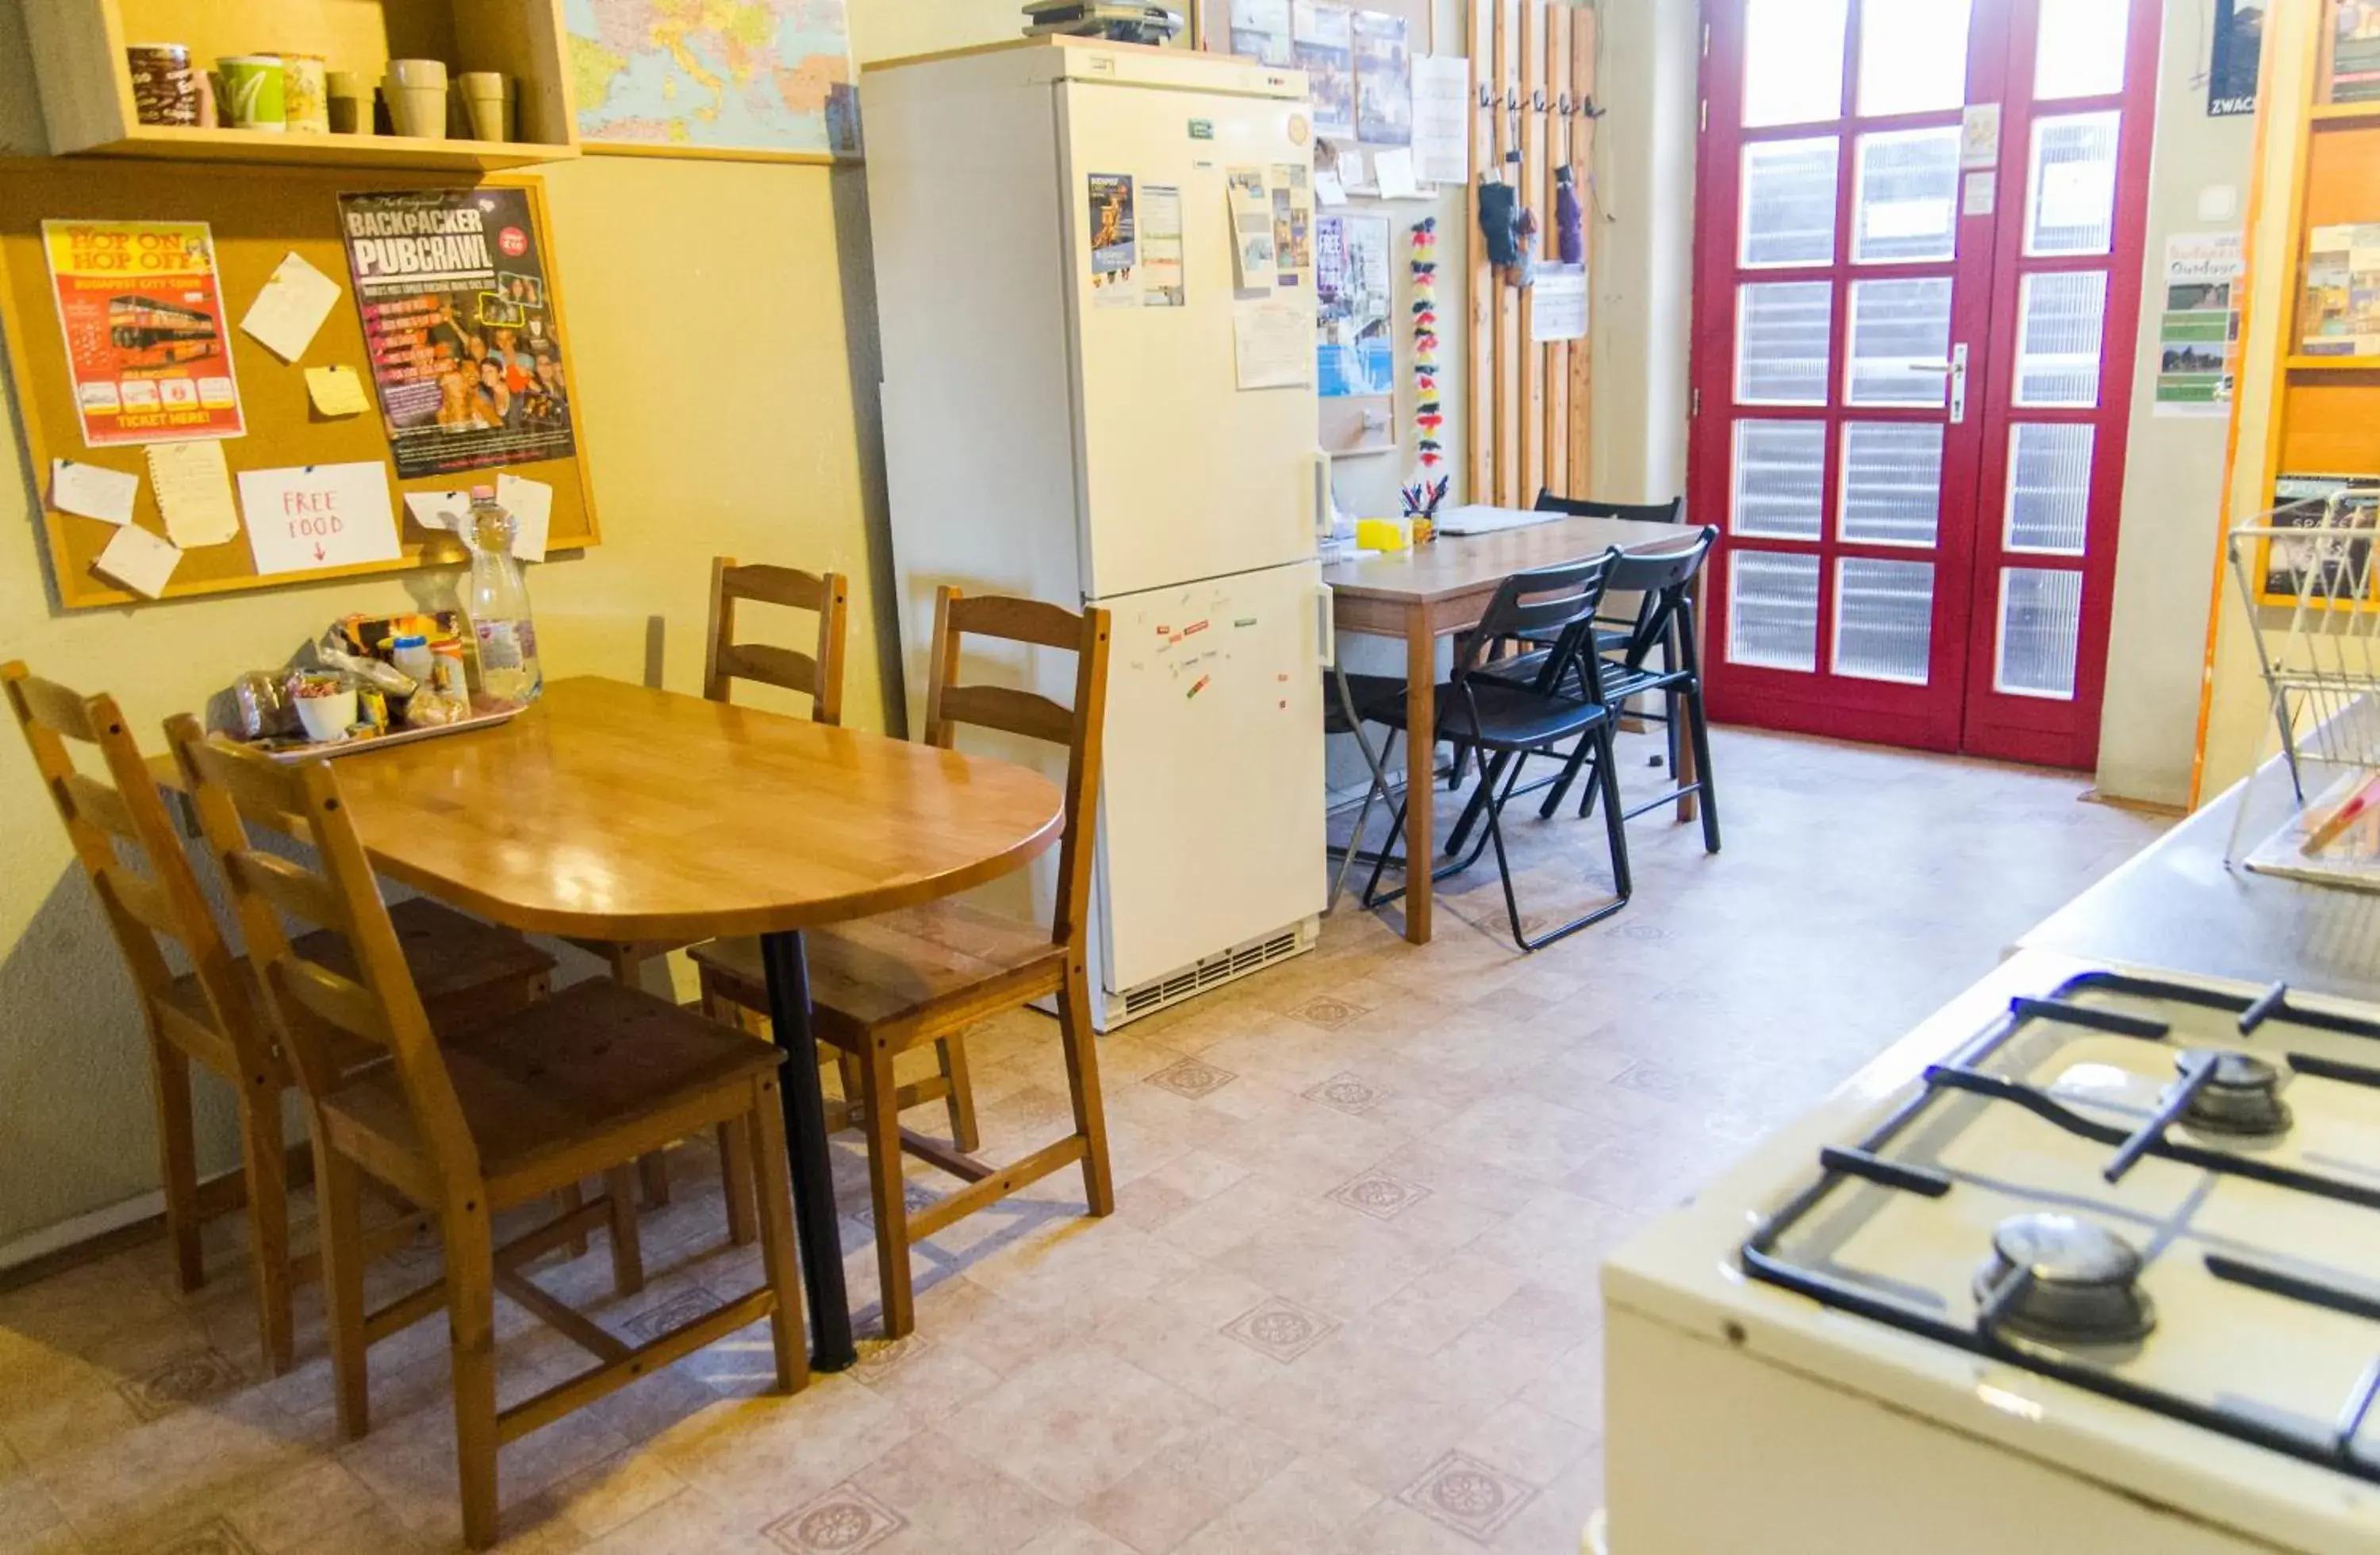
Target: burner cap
2245, 1097
2066, 1280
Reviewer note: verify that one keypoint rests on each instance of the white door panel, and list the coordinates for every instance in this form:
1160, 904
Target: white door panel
1211, 816
1184, 476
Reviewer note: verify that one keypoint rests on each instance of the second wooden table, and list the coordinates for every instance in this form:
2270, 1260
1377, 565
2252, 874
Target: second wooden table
1442, 588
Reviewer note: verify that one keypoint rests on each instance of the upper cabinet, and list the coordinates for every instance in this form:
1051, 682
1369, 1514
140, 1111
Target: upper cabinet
79, 57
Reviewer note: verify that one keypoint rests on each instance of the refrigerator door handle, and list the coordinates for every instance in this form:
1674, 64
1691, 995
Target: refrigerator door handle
1326, 629
1323, 504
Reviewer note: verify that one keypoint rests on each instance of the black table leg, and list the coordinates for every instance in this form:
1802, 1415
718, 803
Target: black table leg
814, 1212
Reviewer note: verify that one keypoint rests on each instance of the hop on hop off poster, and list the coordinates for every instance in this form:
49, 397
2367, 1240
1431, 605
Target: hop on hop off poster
465, 344
141, 310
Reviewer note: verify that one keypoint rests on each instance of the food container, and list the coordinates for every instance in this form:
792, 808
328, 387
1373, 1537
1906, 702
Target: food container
251, 94
417, 97
305, 93
325, 710
164, 88
350, 102
483, 100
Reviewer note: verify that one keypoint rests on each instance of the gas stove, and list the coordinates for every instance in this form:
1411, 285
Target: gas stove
2092, 1258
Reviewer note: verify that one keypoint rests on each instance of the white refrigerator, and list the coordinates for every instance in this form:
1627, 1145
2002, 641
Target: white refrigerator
1059, 428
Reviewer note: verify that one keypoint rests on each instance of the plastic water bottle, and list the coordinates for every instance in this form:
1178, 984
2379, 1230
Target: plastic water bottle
498, 604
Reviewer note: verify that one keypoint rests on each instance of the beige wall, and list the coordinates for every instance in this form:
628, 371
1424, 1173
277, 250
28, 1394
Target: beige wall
757, 443
2173, 472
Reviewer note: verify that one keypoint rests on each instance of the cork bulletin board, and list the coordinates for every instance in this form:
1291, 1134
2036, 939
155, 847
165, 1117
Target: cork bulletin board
255, 217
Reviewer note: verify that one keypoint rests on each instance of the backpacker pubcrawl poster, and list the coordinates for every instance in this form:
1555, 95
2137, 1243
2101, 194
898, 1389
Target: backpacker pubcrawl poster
465, 349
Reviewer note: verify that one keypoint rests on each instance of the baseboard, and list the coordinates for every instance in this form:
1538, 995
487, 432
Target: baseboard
106, 1231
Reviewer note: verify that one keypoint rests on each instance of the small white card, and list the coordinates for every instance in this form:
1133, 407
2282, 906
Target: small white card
139, 559
310, 518
1393, 166
1327, 190
438, 510
93, 491
531, 505
193, 492
295, 301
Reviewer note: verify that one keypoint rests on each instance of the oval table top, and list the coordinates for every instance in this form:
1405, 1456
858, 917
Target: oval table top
613, 812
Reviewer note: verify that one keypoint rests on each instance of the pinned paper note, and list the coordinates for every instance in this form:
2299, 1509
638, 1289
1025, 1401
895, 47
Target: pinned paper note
313, 517
1253, 261
1442, 114
193, 492
1273, 344
1558, 310
336, 391
1393, 166
438, 510
93, 491
295, 301
1327, 190
141, 560
531, 505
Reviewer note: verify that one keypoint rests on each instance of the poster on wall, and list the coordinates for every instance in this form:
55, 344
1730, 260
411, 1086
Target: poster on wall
2239, 51
1354, 293
1260, 30
1323, 39
1116, 247
1384, 104
2198, 327
141, 310
757, 78
465, 345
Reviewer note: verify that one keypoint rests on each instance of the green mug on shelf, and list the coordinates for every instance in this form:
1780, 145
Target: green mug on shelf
251, 92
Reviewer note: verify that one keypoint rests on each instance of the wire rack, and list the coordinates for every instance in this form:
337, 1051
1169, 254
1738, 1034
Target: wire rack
2310, 577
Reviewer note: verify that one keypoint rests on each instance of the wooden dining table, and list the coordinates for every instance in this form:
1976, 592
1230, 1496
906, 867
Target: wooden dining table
1443, 586
615, 812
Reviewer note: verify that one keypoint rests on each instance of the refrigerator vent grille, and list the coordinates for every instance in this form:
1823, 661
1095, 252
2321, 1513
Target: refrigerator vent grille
1157, 992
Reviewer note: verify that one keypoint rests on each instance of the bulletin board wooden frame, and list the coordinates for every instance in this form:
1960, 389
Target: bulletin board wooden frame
256, 218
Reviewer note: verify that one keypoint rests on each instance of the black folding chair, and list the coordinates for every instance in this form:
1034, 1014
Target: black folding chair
1663, 580
1509, 721
1348, 701
1670, 512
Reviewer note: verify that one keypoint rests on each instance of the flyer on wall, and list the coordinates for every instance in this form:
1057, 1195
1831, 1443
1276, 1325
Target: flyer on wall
141, 307
464, 346
2198, 329
1115, 243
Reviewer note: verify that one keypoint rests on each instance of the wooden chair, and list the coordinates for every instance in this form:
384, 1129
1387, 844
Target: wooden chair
888, 984
124, 839
587, 1082
817, 676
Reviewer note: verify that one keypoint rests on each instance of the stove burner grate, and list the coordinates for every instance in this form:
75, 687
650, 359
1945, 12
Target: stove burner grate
2064, 1279
2243, 1096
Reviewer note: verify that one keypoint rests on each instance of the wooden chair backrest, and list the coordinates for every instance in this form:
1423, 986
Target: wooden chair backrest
234, 787
818, 674
158, 900
1031, 715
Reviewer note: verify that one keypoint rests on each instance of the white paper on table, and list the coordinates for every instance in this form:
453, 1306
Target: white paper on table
141, 560
193, 492
307, 517
93, 491
1273, 344
1559, 310
1393, 166
296, 300
531, 505
1441, 123
438, 510
1328, 191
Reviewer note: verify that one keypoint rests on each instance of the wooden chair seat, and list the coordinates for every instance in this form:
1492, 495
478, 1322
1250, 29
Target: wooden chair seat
903, 975
538, 1087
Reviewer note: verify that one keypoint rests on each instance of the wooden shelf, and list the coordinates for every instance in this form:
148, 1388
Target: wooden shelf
2346, 116
78, 62
2332, 364
172, 142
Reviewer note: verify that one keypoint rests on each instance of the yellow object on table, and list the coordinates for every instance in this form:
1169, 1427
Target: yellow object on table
1383, 534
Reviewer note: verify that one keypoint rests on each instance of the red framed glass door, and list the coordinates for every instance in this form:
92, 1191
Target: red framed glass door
1913, 360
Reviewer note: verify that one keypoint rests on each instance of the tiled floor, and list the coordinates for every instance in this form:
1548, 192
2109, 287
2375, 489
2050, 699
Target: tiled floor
1347, 1300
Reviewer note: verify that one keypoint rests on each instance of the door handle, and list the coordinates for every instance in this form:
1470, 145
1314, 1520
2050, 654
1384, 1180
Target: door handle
1326, 637
1956, 371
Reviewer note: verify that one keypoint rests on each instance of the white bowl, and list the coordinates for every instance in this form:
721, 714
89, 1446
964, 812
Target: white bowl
326, 718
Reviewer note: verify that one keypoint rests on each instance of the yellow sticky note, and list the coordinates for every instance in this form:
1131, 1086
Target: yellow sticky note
336, 391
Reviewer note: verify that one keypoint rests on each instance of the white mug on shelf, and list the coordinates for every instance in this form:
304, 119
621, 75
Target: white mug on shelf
417, 97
